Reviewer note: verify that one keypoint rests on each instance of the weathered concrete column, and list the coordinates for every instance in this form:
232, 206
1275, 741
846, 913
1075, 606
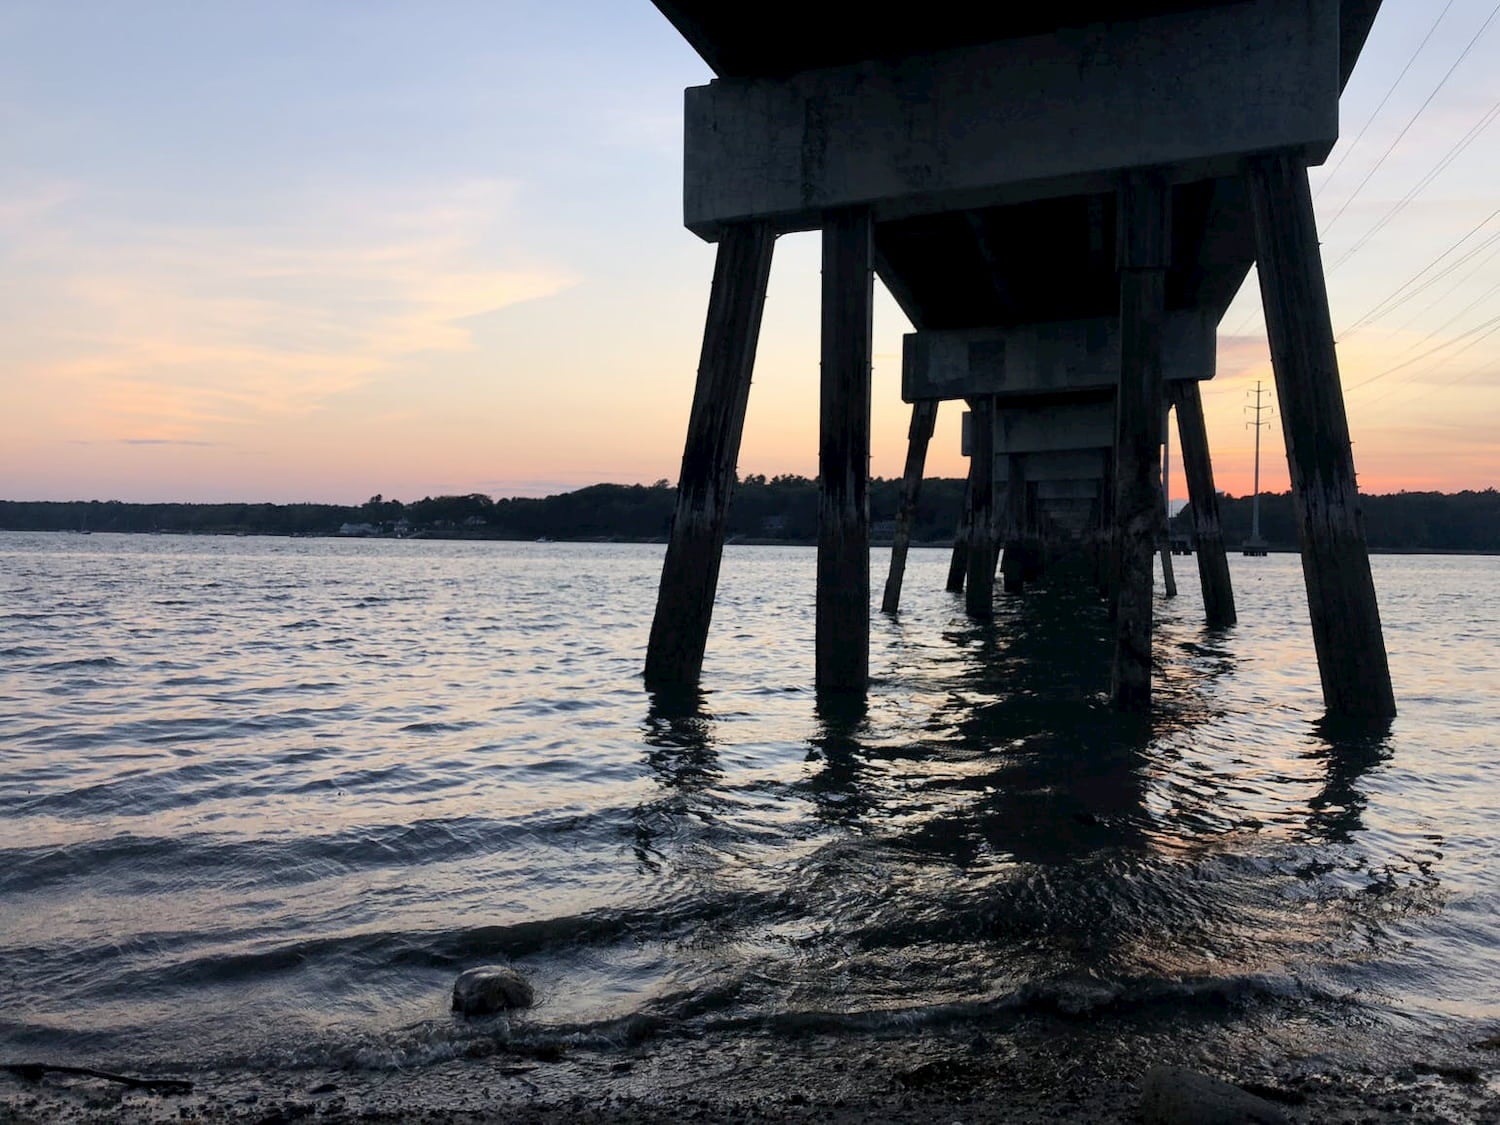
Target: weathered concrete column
918, 434
1168, 574
1346, 630
958, 564
690, 572
1033, 556
1107, 564
1143, 244
1014, 564
1213, 563
843, 597
979, 593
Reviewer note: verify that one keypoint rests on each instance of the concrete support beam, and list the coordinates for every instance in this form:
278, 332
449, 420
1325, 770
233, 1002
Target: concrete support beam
1063, 465
1070, 518
1003, 122
1144, 244
918, 435
1213, 563
843, 595
1040, 359
690, 572
1069, 462
1085, 490
1346, 629
1062, 428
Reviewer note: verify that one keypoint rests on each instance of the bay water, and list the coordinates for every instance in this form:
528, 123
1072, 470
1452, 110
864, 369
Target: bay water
262, 799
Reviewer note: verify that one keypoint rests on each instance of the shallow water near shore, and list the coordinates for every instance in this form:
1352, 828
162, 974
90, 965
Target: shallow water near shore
262, 799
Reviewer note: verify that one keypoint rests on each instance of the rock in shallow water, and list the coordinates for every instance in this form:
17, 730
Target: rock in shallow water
490, 988
1174, 1095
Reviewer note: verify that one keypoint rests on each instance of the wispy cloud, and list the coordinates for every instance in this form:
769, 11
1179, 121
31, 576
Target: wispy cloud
172, 332
148, 441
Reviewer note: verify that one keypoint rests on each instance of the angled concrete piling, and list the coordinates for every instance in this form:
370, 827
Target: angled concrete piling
1352, 664
1213, 562
690, 573
918, 436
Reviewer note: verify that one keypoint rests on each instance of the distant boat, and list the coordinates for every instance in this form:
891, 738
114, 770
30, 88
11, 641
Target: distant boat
542, 539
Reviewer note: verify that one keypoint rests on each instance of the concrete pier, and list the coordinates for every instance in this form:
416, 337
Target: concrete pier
958, 563
1015, 565
1352, 664
1144, 243
843, 592
979, 589
1164, 552
918, 437
1213, 562
1011, 172
690, 573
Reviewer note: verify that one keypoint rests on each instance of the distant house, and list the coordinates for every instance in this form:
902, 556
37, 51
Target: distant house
356, 529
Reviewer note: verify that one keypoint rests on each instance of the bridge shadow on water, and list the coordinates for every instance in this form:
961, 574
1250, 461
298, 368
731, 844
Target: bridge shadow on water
985, 824
1029, 759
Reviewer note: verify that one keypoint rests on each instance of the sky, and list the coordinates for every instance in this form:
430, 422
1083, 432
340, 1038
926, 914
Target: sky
323, 249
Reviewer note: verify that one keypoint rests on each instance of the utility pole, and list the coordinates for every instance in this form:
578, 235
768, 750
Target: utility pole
1255, 545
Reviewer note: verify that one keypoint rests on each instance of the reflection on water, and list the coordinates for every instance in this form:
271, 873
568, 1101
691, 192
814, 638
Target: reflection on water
1023, 832
367, 764
1345, 754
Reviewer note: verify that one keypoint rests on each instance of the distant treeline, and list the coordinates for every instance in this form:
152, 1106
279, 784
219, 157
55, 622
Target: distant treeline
782, 507
1465, 521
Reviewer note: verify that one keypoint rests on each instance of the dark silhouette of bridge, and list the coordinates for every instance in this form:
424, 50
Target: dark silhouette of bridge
1063, 200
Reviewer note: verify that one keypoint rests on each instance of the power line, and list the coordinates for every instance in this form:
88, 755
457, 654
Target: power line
1458, 315
1391, 302
1429, 352
1243, 324
1354, 144
1450, 382
1442, 297
1420, 110
1447, 158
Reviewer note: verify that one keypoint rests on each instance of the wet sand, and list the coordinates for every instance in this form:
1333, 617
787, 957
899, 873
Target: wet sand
1043, 1070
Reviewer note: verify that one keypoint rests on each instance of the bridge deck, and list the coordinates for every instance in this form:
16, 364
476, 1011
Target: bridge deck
1047, 260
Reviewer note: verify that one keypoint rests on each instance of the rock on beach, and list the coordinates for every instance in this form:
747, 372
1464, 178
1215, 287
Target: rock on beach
485, 989
1174, 1095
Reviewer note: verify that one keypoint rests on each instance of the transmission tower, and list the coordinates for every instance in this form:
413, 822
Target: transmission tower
1255, 545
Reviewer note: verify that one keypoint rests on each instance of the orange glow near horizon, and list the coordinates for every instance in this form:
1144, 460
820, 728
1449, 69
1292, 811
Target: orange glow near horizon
439, 258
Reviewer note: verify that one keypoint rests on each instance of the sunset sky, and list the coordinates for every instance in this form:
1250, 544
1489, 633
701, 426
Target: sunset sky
319, 250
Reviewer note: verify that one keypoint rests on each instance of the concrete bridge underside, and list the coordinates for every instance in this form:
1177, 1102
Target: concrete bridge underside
1064, 268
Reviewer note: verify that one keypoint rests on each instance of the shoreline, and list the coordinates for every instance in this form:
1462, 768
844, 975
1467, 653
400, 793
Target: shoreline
745, 541
1046, 1069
